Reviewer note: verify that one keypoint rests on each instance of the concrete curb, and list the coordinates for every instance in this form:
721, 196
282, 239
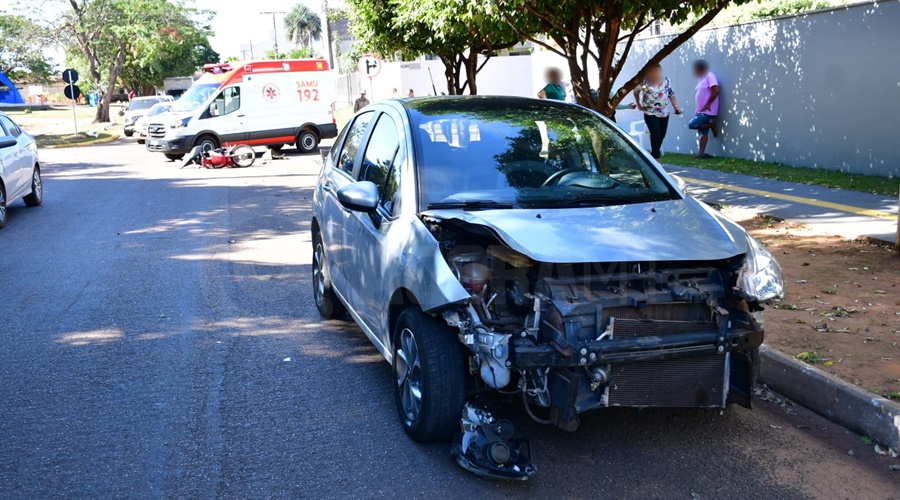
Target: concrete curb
86, 143
834, 399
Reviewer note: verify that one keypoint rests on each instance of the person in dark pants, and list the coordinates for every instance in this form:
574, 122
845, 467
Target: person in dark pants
653, 97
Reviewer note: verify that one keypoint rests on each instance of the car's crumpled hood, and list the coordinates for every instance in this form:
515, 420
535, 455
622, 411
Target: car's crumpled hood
674, 230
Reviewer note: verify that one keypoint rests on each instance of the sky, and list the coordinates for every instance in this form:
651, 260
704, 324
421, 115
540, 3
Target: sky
238, 23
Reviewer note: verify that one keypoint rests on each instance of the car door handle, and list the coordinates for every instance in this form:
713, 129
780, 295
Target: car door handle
241, 116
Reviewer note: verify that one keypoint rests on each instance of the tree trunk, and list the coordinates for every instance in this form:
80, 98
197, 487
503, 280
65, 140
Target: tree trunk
471, 63
103, 106
453, 73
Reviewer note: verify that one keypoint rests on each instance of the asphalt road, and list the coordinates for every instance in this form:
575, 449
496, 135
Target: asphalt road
159, 339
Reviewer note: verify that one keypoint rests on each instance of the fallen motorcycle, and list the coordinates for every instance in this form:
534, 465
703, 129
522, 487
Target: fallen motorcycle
237, 156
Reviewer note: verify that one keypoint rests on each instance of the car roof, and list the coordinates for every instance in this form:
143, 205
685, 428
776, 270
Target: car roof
449, 105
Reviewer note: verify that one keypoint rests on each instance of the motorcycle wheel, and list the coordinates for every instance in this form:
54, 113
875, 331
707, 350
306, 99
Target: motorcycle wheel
242, 156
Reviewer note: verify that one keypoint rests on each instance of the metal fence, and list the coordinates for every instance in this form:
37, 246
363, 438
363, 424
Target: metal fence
346, 89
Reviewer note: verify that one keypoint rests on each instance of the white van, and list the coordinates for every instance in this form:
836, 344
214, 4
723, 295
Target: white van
260, 103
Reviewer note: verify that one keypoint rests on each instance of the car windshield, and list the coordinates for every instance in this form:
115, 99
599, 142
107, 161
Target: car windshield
159, 109
137, 104
521, 153
194, 97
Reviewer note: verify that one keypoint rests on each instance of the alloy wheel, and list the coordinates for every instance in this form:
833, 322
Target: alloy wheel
408, 370
2, 206
37, 185
318, 273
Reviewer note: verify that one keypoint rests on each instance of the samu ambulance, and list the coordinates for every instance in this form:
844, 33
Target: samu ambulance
260, 103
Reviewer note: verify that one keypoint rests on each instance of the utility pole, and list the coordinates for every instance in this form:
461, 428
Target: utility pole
274, 27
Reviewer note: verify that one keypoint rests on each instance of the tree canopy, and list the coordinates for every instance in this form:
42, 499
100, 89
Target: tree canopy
303, 26
138, 42
21, 56
456, 31
594, 35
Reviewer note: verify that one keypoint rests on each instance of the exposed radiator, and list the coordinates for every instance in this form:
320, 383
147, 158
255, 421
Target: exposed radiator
696, 381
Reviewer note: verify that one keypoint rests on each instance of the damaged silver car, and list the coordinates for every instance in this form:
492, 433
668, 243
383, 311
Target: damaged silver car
528, 247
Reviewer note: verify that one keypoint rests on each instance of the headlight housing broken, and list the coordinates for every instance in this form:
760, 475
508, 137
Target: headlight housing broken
760, 278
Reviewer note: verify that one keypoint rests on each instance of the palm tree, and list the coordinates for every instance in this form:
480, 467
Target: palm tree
303, 25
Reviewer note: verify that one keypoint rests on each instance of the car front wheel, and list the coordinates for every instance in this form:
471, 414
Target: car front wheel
429, 371
2, 206
37, 189
327, 302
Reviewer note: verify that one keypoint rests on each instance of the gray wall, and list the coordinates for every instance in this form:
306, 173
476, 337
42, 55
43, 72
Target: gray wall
819, 90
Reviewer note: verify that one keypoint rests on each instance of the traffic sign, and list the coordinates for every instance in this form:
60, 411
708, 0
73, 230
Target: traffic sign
72, 91
70, 76
369, 65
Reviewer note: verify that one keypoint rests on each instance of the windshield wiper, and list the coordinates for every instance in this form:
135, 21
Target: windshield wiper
469, 205
588, 200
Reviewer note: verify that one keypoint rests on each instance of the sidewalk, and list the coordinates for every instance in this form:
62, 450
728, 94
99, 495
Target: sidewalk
849, 214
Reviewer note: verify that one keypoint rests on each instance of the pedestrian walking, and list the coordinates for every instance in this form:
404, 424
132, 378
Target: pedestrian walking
707, 100
411, 93
553, 89
653, 97
361, 102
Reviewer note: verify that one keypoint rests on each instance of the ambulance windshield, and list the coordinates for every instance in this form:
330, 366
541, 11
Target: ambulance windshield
194, 97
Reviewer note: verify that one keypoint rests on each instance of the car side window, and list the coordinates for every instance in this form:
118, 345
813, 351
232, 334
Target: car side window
380, 151
351, 143
390, 192
11, 128
228, 101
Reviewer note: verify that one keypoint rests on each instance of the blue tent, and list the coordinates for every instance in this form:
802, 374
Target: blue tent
9, 94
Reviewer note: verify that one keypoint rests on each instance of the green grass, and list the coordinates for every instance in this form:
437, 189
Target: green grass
342, 116
63, 140
813, 176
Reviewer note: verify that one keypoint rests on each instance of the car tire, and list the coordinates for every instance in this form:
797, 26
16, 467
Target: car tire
428, 360
173, 156
3, 213
327, 302
207, 140
129, 133
307, 141
141, 141
37, 189
275, 147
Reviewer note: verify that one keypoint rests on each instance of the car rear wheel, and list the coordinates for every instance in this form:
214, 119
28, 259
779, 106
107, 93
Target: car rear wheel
173, 156
429, 371
141, 141
37, 189
129, 133
2, 206
307, 141
327, 302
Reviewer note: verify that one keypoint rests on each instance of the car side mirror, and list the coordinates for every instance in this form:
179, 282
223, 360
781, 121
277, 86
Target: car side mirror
679, 183
7, 141
213, 110
360, 196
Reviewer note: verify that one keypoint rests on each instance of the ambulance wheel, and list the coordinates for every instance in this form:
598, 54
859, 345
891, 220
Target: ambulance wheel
207, 142
307, 141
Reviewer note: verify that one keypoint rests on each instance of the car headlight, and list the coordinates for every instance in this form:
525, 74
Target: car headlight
179, 123
760, 278
131, 119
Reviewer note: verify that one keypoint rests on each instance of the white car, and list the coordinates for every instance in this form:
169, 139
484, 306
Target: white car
141, 125
137, 108
20, 173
